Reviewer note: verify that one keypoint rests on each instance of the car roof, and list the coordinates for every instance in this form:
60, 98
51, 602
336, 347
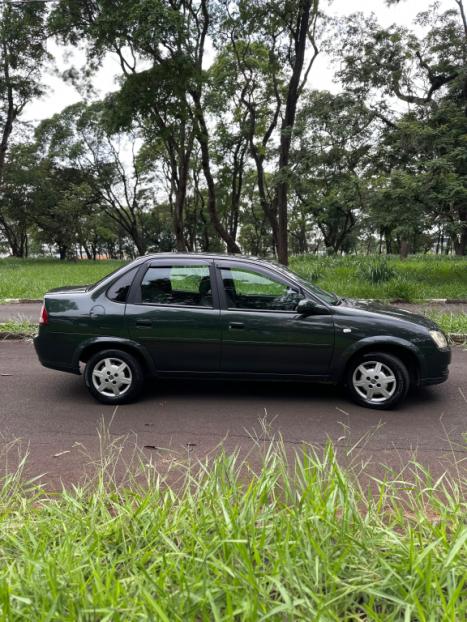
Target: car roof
213, 256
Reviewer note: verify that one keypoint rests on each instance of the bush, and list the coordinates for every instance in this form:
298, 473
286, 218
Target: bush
400, 289
376, 270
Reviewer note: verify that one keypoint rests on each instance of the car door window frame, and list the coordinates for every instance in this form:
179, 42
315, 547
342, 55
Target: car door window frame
234, 265
135, 297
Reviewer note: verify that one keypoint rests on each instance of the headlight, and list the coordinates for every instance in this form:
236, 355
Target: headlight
439, 338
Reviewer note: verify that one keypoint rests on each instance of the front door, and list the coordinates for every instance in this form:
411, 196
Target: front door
261, 331
175, 315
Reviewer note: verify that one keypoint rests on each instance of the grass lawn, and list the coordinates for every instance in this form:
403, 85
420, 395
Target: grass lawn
301, 542
31, 278
418, 277
18, 328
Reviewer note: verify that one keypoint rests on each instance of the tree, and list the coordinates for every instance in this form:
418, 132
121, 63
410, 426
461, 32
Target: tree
77, 138
171, 38
277, 42
16, 198
331, 164
22, 55
427, 74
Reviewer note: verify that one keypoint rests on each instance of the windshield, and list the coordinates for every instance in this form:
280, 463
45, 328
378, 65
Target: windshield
328, 297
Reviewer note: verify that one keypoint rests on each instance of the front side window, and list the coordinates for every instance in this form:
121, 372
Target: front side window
247, 289
177, 285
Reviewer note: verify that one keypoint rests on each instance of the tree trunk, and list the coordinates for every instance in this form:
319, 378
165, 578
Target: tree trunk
202, 137
460, 244
288, 123
404, 249
62, 250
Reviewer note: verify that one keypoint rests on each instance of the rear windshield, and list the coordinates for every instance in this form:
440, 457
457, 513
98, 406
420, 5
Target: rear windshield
107, 276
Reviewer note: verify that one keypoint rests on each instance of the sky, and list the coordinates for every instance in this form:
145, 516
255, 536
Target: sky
59, 94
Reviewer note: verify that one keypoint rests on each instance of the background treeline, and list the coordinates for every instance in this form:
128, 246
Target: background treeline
216, 140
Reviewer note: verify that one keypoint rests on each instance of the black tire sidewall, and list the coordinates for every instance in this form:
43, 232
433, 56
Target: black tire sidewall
136, 371
399, 370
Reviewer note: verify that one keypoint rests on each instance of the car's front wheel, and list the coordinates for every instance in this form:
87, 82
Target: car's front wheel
377, 380
114, 377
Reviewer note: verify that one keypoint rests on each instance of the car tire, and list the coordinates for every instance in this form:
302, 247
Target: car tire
114, 377
377, 380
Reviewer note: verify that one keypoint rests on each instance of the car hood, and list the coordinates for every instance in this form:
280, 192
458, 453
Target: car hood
379, 308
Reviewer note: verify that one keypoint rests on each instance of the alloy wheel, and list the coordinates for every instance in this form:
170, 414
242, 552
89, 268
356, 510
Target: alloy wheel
112, 377
375, 382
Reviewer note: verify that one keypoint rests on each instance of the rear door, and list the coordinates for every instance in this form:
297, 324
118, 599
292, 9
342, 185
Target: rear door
174, 312
261, 331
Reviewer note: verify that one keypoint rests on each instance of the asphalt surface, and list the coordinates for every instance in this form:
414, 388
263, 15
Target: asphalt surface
30, 311
51, 416
26, 311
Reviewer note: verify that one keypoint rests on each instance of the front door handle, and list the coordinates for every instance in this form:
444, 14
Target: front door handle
236, 325
143, 323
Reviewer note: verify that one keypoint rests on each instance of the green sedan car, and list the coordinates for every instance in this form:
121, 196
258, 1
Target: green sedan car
218, 316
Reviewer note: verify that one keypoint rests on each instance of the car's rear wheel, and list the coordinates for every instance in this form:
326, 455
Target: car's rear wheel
377, 380
114, 377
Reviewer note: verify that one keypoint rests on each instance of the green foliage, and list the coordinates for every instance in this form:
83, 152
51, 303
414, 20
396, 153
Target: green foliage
455, 323
17, 329
31, 278
294, 540
198, 155
418, 278
376, 270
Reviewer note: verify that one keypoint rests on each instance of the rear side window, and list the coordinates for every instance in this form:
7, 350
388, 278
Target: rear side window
177, 285
118, 291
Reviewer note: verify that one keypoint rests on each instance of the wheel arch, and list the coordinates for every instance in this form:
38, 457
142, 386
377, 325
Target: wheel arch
91, 347
405, 351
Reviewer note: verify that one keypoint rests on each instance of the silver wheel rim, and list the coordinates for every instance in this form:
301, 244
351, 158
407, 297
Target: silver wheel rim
112, 377
374, 382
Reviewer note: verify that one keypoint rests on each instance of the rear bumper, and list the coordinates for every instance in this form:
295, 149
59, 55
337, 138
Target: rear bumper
40, 345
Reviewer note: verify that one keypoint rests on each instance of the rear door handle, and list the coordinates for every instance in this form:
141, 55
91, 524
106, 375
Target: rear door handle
143, 323
236, 325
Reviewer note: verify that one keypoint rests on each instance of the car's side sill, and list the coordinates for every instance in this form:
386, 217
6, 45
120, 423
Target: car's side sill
254, 376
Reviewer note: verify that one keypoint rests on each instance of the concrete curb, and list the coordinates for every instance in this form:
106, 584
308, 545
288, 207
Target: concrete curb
426, 301
457, 338
14, 336
18, 301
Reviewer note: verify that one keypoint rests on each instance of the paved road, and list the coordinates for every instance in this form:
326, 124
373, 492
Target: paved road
30, 311
27, 311
51, 412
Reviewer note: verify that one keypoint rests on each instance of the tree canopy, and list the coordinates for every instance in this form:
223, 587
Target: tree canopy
216, 137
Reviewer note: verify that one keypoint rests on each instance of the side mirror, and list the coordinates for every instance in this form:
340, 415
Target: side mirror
307, 307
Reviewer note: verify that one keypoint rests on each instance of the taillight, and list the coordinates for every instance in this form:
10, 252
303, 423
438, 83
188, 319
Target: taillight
44, 317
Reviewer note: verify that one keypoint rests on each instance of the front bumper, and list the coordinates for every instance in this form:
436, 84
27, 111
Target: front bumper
436, 368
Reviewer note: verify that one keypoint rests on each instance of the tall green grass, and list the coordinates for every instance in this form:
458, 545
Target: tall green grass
31, 278
416, 278
295, 540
